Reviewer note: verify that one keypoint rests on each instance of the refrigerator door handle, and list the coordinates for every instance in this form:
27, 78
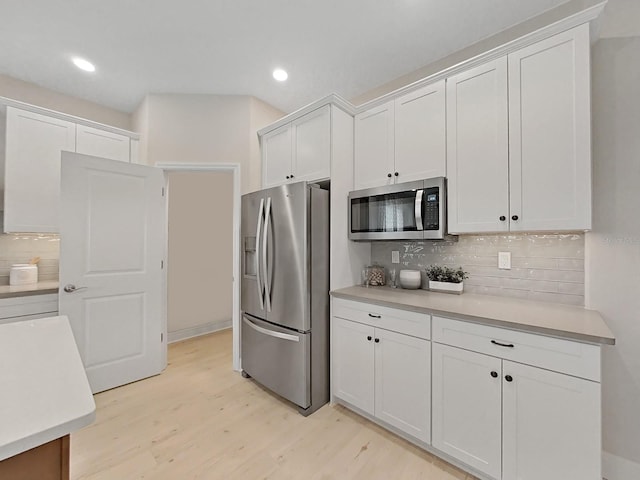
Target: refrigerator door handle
418, 210
258, 232
265, 269
271, 333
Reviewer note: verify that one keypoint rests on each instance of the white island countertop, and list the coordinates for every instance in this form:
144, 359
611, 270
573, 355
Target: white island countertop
44, 391
564, 321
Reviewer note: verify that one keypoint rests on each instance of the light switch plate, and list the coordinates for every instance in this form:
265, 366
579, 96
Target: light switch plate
395, 256
504, 260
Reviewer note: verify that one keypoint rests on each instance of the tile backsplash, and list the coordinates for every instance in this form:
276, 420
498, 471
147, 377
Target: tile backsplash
543, 267
21, 248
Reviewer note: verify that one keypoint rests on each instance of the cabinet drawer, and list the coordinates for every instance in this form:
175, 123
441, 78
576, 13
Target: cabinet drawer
573, 358
401, 321
29, 305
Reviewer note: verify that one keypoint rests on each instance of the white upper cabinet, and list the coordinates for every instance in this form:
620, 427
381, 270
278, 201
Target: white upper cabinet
549, 134
32, 157
402, 140
34, 144
420, 133
312, 145
297, 151
519, 158
276, 156
478, 149
374, 147
100, 143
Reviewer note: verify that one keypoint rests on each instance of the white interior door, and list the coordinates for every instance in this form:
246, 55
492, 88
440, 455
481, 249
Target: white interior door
112, 228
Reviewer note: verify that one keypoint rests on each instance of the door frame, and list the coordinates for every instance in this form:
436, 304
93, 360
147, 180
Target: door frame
234, 168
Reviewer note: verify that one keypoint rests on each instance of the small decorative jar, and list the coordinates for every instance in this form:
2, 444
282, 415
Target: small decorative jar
376, 275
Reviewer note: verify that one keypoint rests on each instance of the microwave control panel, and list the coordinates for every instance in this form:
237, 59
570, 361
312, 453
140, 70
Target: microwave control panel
431, 217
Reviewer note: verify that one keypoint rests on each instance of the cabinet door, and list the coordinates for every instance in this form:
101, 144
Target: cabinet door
34, 144
551, 425
312, 145
276, 157
374, 147
403, 382
549, 131
353, 363
420, 134
467, 407
477, 149
100, 143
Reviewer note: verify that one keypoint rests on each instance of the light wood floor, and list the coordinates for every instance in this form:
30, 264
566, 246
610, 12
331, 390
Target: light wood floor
201, 420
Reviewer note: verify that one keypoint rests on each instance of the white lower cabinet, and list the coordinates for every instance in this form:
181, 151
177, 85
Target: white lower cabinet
509, 420
384, 373
467, 409
550, 425
402, 382
502, 404
353, 370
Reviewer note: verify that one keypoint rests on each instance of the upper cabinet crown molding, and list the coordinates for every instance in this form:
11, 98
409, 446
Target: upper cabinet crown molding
589, 15
9, 102
332, 99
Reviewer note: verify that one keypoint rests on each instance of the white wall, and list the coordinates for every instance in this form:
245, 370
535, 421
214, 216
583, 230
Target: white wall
613, 247
200, 264
177, 128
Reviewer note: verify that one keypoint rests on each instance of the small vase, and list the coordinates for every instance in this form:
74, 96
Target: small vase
446, 287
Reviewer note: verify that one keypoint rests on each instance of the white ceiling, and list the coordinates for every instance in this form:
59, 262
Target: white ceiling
232, 46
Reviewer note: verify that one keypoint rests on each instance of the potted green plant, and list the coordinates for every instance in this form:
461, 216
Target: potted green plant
445, 279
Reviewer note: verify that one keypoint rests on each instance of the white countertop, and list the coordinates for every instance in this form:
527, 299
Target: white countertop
40, 288
564, 321
44, 391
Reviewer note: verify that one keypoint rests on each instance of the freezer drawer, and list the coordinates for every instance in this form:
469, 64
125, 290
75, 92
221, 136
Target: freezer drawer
277, 358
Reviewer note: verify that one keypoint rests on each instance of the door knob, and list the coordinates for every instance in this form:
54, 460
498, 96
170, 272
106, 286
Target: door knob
509, 378
70, 288
502, 218
494, 374
514, 217
389, 175
396, 174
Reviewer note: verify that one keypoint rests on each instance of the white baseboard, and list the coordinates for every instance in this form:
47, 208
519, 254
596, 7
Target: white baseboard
618, 468
198, 330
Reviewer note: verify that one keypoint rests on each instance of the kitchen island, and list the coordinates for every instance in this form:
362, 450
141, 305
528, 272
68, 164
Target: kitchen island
45, 397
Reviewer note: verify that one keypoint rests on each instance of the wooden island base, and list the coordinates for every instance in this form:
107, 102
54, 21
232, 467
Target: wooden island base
46, 462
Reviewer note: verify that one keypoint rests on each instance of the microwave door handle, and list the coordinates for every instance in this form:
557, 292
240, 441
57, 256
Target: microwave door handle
265, 269
418, 210
258, 233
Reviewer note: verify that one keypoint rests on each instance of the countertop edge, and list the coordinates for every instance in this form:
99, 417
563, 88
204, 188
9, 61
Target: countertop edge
29, 442
558, 333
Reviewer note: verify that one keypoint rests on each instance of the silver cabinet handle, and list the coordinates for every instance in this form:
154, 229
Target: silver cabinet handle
271, 333
418, 210
70, 288
267, 286
258, 284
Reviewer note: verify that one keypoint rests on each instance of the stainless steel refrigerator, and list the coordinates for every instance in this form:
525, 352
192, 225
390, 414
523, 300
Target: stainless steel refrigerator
285, 292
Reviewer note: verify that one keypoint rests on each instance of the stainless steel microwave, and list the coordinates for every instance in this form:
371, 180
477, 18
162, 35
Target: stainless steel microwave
404, 211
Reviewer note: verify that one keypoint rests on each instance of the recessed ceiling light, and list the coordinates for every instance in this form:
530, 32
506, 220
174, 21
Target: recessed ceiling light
83, 64
280, 75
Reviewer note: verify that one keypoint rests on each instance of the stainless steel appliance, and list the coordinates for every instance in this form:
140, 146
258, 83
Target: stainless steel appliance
405, 211
285, 292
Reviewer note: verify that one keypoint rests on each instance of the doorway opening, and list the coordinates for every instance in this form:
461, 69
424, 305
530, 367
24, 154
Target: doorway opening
203, 218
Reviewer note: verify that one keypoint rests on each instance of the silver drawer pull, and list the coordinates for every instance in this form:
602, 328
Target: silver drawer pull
508, 345
271, 333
